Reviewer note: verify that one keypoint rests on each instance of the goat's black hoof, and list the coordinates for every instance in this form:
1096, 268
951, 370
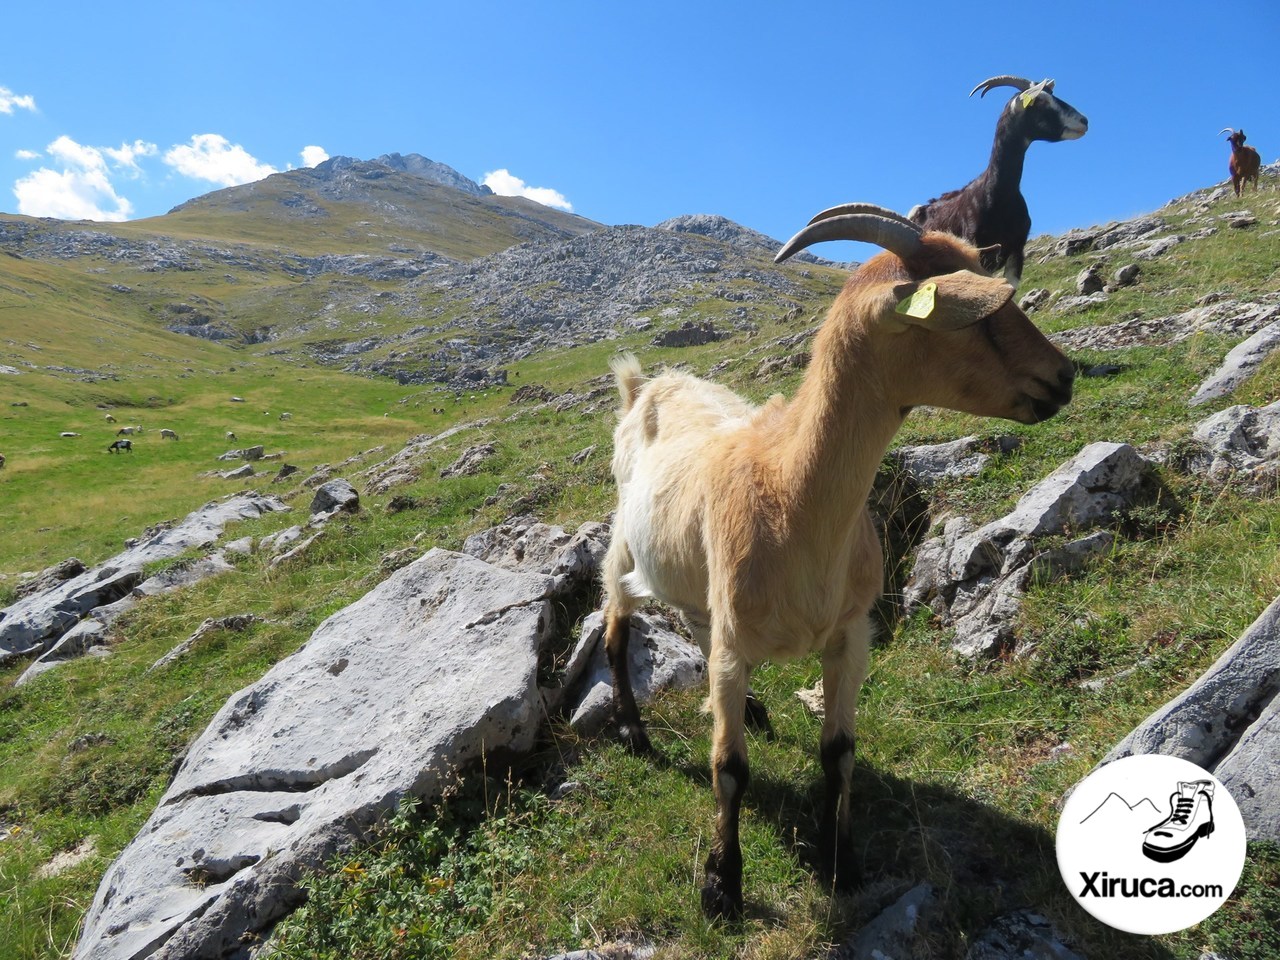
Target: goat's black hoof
757, 718
845, 874
632, 736
719, 903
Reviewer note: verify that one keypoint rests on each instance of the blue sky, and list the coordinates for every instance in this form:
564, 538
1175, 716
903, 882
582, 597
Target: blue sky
628, 113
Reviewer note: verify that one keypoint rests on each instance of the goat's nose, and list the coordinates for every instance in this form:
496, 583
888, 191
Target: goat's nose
1066, 377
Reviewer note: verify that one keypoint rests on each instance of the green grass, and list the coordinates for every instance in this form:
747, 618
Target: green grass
960, 765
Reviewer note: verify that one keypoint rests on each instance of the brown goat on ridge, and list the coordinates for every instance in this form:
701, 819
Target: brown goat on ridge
753, 521
1244, 163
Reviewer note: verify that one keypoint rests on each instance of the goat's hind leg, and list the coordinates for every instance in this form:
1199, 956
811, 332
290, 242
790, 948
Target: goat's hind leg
844, 667
617, 635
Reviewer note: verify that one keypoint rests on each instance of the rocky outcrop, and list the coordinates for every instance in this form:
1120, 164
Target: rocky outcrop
451, 658
1232, 317
471, 461
726, 231
974, 579
34, 624
659, 658
930, 463
1228, 722
688, 334
405, 465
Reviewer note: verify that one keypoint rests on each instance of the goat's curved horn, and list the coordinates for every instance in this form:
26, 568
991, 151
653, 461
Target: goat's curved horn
887, 232
986, 86
849, 208
1226, 130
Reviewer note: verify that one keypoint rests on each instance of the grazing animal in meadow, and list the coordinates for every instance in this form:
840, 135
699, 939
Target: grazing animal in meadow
1244, 163
109, 418
128, 431
1, 461
167, 434
752, 521
119, 446
990, 210
230, 435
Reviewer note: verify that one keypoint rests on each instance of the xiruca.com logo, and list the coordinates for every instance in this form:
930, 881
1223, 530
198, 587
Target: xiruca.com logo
1150, 844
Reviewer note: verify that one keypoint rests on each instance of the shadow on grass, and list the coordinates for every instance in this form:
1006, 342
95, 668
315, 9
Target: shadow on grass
981, 863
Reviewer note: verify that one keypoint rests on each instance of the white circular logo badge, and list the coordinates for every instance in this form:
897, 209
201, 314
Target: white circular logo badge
1150, 844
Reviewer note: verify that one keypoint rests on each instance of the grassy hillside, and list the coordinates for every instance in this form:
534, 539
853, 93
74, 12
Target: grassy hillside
960, 765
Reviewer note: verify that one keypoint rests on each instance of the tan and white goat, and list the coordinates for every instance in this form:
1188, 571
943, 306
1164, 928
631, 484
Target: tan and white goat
753, 521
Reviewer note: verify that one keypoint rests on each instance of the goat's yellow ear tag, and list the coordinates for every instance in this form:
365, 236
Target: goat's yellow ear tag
1027, 100
919, 304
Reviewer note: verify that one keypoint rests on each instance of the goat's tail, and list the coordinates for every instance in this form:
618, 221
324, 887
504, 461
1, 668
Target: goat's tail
626, 368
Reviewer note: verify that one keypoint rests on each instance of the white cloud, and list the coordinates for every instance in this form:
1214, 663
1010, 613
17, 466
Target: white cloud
314, 156
127, 154
10, 100
505, 184
26, 154
212, 157
81, 190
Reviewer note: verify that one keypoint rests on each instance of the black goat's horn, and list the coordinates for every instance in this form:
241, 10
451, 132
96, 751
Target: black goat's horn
883, 228
986, 86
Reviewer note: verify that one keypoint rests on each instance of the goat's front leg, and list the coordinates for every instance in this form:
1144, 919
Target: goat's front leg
626, 714
755, 713
844, 667
722, 890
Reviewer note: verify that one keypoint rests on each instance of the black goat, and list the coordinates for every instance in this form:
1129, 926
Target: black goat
991, 210
119, 445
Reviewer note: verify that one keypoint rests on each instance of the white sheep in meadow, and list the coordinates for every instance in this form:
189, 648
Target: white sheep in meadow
753, 521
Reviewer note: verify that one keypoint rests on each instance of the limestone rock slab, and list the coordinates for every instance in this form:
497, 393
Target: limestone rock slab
390, 695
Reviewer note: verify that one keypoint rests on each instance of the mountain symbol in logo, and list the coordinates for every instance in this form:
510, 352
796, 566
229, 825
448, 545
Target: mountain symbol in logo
1117, 809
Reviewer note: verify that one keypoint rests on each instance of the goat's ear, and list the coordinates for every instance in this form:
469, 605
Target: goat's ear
953, 301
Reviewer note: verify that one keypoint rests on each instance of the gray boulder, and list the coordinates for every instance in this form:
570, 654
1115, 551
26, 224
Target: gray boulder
974, 579
1090, 280
335, 496
1125, 276
1240, 442
929, 463
1239, 365
434, 668
1228, 722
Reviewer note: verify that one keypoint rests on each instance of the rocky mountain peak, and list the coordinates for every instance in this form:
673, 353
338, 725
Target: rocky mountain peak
716, 227
420, 166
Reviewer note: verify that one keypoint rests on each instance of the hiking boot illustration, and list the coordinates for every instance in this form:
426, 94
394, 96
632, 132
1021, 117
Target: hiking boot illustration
1190, 818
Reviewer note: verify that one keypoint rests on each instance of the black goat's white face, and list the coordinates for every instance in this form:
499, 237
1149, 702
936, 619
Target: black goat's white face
1046, 116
